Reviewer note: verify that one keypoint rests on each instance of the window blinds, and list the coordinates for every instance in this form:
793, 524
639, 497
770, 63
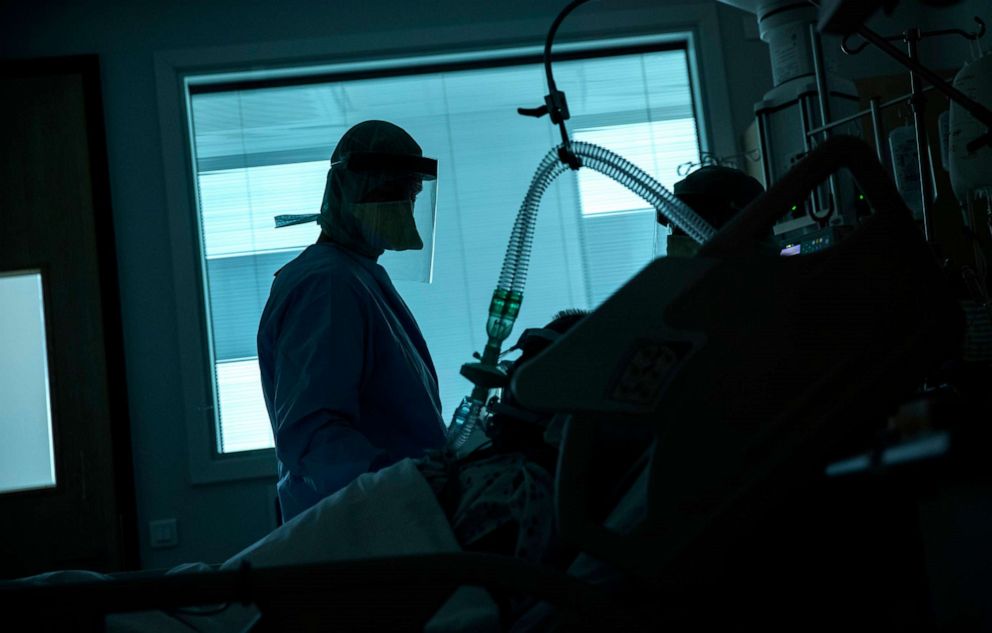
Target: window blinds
264, 152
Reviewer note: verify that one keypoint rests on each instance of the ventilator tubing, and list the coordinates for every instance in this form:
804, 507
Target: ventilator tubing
515, 264
508, 296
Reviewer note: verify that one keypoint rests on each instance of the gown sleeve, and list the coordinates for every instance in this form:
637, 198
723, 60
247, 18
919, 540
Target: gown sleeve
320, 357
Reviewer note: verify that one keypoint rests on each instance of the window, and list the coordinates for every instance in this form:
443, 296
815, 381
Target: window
27, 458
620, 233
262, 149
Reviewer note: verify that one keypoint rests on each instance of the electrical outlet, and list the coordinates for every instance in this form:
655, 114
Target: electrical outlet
163, 533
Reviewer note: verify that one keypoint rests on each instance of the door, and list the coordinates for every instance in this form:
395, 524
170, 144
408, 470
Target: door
66, 483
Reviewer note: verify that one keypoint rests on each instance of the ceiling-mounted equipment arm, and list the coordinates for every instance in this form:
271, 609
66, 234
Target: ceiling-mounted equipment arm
555, 103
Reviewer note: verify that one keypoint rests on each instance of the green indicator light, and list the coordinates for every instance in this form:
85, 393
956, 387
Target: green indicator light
794, 207
861, 196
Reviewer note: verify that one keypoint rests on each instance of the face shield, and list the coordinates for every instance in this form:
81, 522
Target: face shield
382, 205
394, 208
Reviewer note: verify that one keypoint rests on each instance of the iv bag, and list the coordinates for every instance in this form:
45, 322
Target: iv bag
970, 172
906, 168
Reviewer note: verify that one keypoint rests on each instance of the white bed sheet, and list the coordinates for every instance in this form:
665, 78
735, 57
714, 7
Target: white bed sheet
392, 512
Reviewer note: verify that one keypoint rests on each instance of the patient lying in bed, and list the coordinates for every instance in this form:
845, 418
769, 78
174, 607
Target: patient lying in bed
392, 512
497, 499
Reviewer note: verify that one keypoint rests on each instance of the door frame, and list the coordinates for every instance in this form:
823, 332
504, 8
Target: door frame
87, 68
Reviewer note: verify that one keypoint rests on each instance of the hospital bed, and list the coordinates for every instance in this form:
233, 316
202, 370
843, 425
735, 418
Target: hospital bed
750, 372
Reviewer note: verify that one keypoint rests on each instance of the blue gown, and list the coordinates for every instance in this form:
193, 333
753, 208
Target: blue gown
348, 381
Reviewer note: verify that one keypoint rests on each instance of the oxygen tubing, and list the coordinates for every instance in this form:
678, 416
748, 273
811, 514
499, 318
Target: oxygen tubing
508, 296
513, 275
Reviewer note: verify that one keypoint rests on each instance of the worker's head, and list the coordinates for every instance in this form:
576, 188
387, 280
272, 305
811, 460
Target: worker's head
380, 191
716, 193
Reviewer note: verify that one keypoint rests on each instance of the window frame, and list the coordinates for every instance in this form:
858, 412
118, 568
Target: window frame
179, 72
58, 484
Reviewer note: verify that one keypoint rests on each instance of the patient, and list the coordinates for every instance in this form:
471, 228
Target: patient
498, 498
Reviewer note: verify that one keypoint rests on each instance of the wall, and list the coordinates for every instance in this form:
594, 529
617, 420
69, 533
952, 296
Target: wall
214, 520
217, 520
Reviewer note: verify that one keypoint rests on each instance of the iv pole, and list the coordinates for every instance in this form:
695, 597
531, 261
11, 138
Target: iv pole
917, 99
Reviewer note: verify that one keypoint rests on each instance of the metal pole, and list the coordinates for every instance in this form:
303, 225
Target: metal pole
804, 121
918, 102
824, 93
766, 167
821, 77
876, 128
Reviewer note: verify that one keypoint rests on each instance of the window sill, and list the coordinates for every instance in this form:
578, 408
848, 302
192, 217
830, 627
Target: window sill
260, 464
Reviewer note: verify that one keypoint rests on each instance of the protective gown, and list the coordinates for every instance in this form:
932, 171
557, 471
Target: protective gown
346, 375
348, 381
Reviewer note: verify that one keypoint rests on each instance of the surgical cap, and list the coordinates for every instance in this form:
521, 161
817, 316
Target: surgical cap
346, 186
717, 193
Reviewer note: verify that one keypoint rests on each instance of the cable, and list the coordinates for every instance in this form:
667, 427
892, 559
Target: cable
552, 86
